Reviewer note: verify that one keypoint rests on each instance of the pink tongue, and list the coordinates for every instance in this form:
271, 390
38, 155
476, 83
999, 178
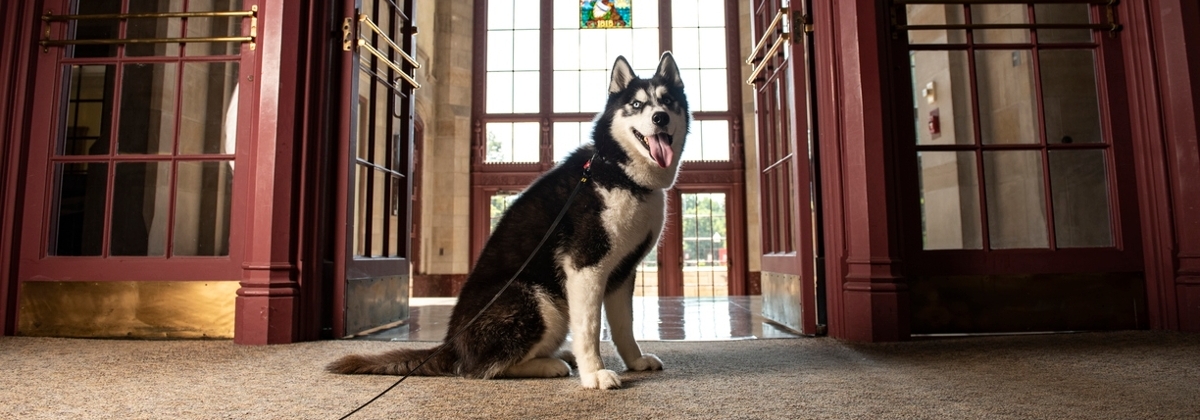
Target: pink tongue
660, 150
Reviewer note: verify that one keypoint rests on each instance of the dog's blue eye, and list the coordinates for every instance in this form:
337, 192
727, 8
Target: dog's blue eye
636, 104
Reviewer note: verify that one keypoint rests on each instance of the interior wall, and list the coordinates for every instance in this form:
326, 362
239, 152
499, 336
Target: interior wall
444, 49
750, 145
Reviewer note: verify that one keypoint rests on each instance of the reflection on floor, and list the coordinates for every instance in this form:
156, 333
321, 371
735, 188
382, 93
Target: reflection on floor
654, 319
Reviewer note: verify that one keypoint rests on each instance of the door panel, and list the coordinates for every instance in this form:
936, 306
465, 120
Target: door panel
375, 168
780, 77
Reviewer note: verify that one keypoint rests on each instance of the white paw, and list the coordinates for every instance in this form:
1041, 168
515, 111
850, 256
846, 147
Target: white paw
646, 362
601, 379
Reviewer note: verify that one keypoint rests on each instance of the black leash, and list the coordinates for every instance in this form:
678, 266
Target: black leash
587, 174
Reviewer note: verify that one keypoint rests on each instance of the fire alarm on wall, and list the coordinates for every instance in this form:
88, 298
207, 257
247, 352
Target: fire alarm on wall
935, 123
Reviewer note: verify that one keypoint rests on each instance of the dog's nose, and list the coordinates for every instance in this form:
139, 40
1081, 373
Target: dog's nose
661, 119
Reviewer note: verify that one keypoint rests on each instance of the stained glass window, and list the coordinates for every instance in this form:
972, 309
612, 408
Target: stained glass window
605, 14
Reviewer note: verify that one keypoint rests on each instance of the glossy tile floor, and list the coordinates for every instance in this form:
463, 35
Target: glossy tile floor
654, 319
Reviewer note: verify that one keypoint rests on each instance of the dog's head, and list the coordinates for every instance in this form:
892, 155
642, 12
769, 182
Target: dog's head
649, 121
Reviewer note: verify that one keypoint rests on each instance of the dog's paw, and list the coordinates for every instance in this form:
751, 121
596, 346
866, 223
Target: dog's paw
601, 379
568, 357
646, 362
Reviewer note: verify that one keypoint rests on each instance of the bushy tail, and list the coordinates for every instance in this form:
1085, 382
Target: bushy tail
396, 362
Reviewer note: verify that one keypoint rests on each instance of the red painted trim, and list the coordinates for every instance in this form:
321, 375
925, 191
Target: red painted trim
1163, 59
867, 297
265, 310
16, 63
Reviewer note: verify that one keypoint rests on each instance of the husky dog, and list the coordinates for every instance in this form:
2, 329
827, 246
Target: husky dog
589, 260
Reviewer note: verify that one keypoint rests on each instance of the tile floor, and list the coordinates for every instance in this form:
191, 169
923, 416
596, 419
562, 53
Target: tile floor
654, 319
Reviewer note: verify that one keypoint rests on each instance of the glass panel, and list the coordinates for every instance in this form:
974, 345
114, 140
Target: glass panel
1079, 187
141, 201
1062, 13
89, 111
525, 50
708, 141
1007, 112
593, 90
78, 208
500, 14
150, 28
566, 91
1016, 199
568, 136
704, 240
512, 142
499, 50
1000, 13
203, 194
378, 212
95, 29
499, 92
645, 280
936, 14
204, 117
396, 212
942, 97
361, 209
949, 186
148, 104
1072, 107
214, 27
526, 83
500, 202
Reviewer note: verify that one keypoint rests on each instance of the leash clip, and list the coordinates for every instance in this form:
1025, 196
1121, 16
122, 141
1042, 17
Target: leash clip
587, 169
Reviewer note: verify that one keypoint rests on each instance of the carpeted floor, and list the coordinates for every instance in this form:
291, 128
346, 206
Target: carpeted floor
1121, 375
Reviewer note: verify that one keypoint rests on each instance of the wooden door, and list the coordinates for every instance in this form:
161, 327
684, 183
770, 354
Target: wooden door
374, 166
781, 78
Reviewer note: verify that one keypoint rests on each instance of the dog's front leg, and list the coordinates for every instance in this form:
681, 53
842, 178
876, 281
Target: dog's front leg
585, 291
619, 307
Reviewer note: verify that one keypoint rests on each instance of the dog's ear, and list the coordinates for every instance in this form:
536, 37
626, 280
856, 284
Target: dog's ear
668, 71
622, 73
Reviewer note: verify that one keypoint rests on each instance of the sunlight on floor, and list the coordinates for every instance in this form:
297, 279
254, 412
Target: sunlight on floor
654, 319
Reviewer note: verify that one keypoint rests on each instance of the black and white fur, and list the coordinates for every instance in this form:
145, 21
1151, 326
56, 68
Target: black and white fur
589, 260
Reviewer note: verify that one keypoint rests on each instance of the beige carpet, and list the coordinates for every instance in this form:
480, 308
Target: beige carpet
1123, 375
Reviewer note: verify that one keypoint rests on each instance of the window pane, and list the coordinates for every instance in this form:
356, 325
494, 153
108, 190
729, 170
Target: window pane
79, 204
1016, 200
942, 97
203, 193
95, 29
526, 83
500, 202
1079, 187
499, 92
593, 50
512, 142
1000, 13
526, 14
89, 111
568, 136
566, 91
935, 14
704, 240
1007, 112
714, 90
500, 50
1062, 13
566, 49
708, 141
525, 50
686, 46
209, 88
140, 205
949, 201
147, 109
712, 58
500, 14
154, 28
685, 13
1072, 108
593, 90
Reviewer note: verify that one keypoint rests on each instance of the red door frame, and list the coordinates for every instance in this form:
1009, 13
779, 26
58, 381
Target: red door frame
1162, 61
16, 70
